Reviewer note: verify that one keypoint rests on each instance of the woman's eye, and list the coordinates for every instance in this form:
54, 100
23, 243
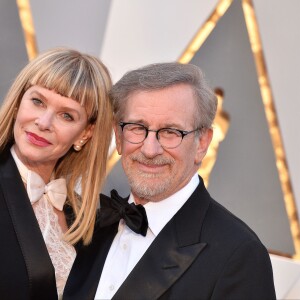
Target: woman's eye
37, 101
67, 117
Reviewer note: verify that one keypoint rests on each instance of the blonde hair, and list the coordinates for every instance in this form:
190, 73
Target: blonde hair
86, 80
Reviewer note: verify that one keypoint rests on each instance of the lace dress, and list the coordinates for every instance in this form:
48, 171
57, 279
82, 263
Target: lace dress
62, 254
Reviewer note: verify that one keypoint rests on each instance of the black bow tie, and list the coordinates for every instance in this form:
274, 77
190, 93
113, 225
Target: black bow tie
115, 208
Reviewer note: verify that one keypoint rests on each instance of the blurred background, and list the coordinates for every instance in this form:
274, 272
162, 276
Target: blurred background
248, 50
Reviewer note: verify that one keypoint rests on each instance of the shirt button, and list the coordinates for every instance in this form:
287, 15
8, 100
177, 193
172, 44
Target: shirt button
124, 246
111, 287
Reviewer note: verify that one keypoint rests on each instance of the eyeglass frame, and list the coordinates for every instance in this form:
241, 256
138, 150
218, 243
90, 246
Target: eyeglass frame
182, 132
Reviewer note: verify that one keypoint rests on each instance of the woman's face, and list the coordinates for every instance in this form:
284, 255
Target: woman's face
46, 127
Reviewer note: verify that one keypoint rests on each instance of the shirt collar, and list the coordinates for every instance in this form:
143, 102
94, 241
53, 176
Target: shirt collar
161, 212
21, 167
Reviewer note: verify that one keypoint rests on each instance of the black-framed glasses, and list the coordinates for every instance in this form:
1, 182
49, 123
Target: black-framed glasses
168, 138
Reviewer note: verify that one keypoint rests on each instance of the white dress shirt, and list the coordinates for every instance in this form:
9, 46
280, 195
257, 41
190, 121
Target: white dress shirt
128, 247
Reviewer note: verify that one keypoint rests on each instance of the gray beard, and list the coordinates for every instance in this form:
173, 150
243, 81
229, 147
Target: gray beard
144, 190
140, 181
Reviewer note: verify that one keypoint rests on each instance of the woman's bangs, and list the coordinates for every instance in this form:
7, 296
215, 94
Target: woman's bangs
69, 82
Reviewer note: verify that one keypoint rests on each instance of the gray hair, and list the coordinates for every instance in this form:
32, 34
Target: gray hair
162, 75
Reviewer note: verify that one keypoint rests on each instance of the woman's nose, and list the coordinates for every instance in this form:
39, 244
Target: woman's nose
45, 121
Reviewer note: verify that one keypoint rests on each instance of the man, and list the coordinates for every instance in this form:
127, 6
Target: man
193, 247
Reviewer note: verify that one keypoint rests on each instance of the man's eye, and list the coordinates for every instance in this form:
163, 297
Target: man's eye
138, 128
170, 132
135, 128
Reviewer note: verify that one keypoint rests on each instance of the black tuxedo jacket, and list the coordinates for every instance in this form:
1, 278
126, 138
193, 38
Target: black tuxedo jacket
26, 271
204, 252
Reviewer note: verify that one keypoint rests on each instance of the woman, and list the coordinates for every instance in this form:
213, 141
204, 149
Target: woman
55, 130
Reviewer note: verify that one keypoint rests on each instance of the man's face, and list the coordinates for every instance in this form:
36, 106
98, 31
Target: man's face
155, 173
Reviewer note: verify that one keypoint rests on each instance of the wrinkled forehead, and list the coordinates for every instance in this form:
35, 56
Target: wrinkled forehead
172, 105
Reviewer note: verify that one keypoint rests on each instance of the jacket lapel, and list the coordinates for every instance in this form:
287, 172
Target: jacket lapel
85, 274
39, 267
171, 253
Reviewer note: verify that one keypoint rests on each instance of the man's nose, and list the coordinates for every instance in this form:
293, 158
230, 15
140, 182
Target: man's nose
151, 146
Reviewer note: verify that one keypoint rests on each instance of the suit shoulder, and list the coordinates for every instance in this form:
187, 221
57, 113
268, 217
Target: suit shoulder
226, 225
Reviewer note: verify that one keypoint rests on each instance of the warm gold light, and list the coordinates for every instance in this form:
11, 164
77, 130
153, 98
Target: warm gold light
221, 121
113, 159
271, 116
28, 28
221, 125
204, 31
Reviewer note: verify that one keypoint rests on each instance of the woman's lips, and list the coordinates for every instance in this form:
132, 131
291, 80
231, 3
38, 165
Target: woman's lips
37, 140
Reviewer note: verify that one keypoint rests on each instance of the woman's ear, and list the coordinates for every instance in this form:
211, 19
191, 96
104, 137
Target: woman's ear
84, 137
88, 132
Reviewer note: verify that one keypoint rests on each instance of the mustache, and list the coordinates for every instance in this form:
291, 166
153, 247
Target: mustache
158, 160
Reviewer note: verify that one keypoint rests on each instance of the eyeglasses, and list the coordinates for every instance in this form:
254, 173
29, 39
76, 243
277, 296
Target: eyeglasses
168, 138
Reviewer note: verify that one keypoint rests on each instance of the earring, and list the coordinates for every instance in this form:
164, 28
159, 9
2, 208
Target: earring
78, 147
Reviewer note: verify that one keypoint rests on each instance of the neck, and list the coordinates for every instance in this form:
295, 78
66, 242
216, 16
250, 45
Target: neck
140, 200
43, 170
143, 201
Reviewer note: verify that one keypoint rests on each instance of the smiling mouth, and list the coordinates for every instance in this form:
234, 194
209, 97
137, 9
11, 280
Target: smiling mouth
37, 140
151, 168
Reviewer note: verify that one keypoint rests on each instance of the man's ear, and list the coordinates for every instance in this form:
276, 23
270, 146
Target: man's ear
118, 134
204, 141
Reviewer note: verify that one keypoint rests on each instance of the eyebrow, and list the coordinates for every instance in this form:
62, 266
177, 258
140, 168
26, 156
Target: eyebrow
66, 108
167, 125
38, 93
173, 125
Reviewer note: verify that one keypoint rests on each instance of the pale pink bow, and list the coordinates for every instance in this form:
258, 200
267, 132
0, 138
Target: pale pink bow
56, 190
